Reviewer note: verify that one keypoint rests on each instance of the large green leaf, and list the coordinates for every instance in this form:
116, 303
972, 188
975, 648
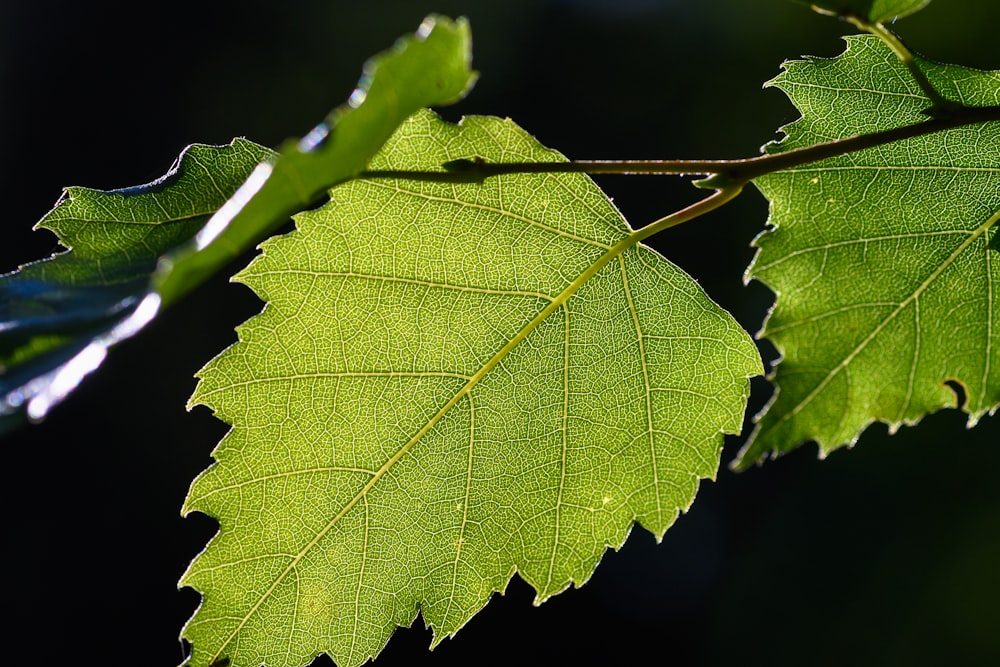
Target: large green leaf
884, 262
450, 384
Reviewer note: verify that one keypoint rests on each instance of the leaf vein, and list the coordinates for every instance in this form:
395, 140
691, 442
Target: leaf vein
465, 509
564, 432
313, 376
407, 281
867, 240
490, 209
884, 323
647, 391
280, 475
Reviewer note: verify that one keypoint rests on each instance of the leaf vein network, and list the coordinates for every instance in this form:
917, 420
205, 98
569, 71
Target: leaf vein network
864, 241
346, 374
408, 281
491, 209
980, 231
647, 389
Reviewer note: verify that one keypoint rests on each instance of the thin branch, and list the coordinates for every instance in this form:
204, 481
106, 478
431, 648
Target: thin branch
720, 173
746, 170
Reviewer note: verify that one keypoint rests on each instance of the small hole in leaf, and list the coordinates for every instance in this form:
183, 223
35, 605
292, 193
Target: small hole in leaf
960, 395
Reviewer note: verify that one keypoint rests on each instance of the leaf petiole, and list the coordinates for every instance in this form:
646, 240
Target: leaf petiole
720, 174
720, 197
942, 107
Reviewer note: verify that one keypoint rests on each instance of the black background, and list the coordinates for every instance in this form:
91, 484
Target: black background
886, 554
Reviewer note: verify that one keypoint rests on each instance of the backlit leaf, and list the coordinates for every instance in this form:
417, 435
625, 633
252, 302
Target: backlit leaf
450, 384
885, 261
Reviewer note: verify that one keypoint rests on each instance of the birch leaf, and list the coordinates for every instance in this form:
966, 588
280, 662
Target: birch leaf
450, 384
884, 261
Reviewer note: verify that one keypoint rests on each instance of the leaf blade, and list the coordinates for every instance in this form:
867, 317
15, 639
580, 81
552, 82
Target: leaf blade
59, 317
80, 301
849, 269
509, 445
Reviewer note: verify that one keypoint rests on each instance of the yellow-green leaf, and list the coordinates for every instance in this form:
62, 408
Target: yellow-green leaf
450, 384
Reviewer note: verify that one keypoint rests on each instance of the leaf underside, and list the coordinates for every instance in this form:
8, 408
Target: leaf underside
387, 457
884, 262
53, 309
138, 249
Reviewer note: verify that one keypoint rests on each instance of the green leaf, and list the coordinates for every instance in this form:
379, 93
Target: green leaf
53, 310
869, 11
882, 261
450, 384
428, 68
59, 317
118, 235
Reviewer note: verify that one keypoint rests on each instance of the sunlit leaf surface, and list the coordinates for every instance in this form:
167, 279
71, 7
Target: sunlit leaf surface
426, 406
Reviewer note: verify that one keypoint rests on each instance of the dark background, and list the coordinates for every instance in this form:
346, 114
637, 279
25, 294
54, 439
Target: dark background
886, 554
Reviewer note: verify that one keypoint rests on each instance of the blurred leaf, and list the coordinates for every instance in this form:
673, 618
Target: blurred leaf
450, 383
869, 11
884, 262
53, 310
429, 68
138, 249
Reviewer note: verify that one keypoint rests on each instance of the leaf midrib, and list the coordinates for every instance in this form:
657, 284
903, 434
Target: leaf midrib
172, 220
